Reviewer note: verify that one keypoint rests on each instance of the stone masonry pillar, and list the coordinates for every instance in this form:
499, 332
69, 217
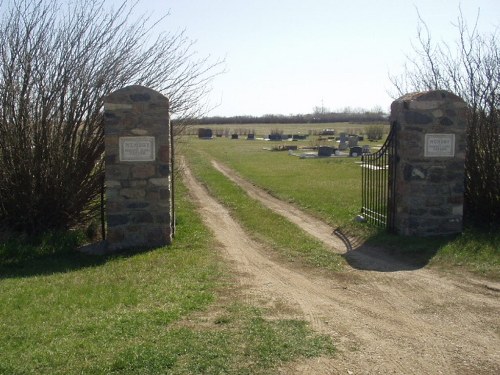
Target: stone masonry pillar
431, 141
138, 169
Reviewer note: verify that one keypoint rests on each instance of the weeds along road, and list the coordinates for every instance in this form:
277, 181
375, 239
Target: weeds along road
384, 317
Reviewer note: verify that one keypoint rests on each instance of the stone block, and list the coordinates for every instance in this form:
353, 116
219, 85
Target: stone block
139, 131
115, 235
113, 184
425, 105
114, 206
110, 158
164, 154
160, 181
117, 219
143, 170
446, 121
138, 183
441, 211
141, 217
414, 117
112, 194
153, 196
137, 205
164, 194
133, 193
164, 170
434, 201
111, 142
163, 218
436, 174
159, 235
140, 97
112, 107
117, 172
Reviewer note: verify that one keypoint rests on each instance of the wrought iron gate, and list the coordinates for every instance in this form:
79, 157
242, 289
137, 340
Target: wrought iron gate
378, 180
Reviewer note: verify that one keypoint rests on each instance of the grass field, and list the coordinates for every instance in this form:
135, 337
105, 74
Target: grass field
331, 189
175, 309
265, 226
170, 310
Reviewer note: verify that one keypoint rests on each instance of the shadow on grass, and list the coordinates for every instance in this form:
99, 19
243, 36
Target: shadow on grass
383, 252
56, 262
49, 264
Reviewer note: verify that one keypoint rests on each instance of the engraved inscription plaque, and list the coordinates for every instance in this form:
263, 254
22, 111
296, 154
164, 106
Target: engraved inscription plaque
137, 148
439, 145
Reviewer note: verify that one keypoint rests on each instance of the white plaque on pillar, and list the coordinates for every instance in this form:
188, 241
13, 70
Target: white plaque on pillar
137, 148
439, 145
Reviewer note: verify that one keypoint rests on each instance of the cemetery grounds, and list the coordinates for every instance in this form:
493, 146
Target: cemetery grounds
391, 305
277, 278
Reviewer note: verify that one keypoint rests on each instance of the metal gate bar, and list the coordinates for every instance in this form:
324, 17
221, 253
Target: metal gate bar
377, 179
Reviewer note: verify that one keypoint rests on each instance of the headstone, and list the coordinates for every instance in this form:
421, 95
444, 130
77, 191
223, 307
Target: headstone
139, 164
205, 133
355, 151
325, 151
234, 136
327, 132
274, 137
342, 145
353, 141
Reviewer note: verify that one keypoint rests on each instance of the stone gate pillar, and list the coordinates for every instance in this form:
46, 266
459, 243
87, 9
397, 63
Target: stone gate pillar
429, 178
139, 189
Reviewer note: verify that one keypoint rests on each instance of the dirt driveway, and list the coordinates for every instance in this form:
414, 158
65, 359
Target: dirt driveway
384, 317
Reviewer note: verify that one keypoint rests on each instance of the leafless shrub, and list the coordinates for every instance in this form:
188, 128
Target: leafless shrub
470, 69
374, 132
56, 65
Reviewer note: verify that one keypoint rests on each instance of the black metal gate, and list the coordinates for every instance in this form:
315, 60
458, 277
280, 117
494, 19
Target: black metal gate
378, 183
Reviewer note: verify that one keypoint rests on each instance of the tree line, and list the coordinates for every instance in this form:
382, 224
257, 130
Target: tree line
313, 118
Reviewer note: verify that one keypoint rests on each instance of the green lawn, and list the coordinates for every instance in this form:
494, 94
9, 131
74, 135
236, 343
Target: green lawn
327, 187
164, 311
331, 189
267, 227
175, 310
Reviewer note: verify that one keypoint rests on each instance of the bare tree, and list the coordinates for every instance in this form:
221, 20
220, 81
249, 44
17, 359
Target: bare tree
57, 63
471, 69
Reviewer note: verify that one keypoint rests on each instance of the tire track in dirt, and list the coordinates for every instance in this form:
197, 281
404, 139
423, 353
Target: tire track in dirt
414, 322
332, 238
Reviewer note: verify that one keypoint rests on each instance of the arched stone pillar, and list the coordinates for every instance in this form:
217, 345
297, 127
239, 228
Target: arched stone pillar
430, 144
139, 186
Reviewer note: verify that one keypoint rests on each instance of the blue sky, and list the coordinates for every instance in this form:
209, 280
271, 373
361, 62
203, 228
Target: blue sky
288, 56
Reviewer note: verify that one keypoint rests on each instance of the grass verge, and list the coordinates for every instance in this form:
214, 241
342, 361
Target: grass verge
263, 224
63, 312
473, 250
331, 190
